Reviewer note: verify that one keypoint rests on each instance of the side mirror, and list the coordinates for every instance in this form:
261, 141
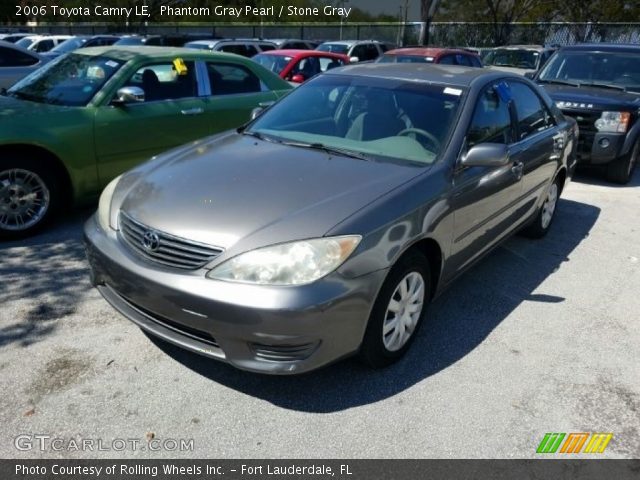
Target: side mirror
259, 110
354, 59
487, 155
530, 75
129, 95
298, 78
256, 112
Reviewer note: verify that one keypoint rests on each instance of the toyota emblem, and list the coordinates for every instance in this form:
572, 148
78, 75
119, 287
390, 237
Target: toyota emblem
150, 241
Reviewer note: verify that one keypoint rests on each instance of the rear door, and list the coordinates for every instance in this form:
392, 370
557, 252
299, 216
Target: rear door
485, 198
172, 114
233, 91
539, 140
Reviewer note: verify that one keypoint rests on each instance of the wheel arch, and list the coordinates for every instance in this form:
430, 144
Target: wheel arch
52, 160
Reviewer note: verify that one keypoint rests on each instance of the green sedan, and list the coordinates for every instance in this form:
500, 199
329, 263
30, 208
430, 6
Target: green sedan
81, 120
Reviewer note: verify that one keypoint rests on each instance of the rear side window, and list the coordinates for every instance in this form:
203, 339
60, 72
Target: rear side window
161, 81
232, 79
244, 50
533, 116
491, 121
265, 47
44, 46
448, 60
14, 58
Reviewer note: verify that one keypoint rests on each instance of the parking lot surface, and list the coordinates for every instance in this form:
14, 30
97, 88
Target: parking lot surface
541, 336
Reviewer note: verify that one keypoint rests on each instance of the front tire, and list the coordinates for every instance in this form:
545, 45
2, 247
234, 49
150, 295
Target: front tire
621, 169
29, 197
398, 312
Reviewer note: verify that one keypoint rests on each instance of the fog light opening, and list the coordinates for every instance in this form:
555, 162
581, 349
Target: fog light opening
604, 142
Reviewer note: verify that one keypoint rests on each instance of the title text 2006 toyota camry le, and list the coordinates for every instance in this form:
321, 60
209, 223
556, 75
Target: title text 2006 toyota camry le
326, 226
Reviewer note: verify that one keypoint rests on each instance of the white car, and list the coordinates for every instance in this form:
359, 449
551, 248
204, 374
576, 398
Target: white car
356, 50
245, 47
41, 43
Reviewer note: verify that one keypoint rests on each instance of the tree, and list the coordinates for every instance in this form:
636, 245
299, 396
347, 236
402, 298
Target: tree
428, 10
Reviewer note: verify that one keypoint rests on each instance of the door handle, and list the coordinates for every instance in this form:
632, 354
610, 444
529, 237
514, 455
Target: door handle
518, 169
192, 111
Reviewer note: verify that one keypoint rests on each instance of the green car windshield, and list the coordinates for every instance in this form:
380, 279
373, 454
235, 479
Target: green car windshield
372, 118
70, 80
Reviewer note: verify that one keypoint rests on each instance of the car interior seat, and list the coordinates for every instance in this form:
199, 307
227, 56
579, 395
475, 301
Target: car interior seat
379, 120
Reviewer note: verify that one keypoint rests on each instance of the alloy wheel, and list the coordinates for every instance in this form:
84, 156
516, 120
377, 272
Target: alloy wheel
549, 206
24, 199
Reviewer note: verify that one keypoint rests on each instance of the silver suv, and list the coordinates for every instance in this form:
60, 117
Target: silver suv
357, 50
244, 47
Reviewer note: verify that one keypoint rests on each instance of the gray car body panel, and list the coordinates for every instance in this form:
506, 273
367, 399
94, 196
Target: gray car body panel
10, 75
267, 194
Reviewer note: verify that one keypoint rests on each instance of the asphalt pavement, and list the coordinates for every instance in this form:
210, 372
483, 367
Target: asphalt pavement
541, 336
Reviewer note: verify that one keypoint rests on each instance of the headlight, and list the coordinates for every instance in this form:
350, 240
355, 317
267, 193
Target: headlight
295, 263
613, 122
104, 206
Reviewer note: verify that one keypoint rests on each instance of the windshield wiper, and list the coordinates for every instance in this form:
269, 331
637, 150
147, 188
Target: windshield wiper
603, 85
257, 135
329, 149
559, 82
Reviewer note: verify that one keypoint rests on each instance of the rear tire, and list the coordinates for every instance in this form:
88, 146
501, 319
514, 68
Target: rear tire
544, 218
621, 169
29, 197
398, 312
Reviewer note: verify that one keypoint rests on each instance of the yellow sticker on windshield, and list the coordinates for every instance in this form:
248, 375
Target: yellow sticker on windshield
180, 66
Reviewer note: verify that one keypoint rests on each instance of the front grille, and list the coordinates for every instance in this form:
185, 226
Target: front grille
283, 353
586, 120
163, 248
185, 330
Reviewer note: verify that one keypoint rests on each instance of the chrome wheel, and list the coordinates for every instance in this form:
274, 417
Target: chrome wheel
403, 311
24, 199
549, 206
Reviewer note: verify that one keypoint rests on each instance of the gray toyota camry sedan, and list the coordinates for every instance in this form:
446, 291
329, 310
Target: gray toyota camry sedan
325, 226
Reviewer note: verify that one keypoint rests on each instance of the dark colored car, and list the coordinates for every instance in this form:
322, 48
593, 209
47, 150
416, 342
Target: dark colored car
326, 226
444, 56
298, 66
176, 40
81, 41
599, 86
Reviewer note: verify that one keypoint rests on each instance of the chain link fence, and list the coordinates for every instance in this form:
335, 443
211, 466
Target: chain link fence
440, 34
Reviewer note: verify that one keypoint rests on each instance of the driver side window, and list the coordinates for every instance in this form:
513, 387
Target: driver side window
491, 121
161, 81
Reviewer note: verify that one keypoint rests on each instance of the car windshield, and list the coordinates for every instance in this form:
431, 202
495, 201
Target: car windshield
365, 117
386, 58
70, 45
334, 48
502, 57
275, 63
25, 42
70, 80
130, 41
620, 69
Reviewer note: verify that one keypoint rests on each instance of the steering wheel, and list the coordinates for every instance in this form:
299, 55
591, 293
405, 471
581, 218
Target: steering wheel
423, 133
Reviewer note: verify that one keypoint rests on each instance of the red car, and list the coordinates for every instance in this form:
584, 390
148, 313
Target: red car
444, 56
298, 66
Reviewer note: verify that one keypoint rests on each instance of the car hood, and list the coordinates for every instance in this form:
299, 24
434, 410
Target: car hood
599, 98
10, 108
519, 71
238, 191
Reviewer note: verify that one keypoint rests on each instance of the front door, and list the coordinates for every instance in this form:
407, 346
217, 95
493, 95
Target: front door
484, 198
171, 115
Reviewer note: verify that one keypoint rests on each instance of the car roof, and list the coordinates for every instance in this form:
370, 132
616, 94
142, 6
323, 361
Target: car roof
428, 51
13, 46
428, 73
609, 47
126, 53
538, 48
292, 52
215, 41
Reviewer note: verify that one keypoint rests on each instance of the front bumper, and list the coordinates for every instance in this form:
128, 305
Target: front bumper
277, 330
599, 148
